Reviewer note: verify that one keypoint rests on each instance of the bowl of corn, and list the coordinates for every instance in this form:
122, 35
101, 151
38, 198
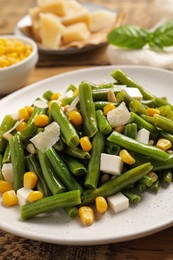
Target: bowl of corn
18, 57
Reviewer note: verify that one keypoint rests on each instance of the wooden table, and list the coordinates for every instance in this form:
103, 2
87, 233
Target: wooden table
155, 247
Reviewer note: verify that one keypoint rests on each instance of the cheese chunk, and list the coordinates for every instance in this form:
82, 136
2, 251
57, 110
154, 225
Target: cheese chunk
101, 19
52, 6
118, 202
50, 30
75, 32
143, 136
34, 14
111, 164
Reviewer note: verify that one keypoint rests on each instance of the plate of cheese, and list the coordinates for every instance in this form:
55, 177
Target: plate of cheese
63, 27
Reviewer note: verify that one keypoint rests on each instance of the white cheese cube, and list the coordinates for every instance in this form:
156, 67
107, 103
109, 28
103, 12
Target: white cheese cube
134, 93
111, 164
7, 172
118, 116
118, 202
143, 136
22, 195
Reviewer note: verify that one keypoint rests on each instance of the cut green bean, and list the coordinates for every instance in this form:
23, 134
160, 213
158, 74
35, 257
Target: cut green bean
167, 176
137, 107
74, 165
93, 170
146, 180
67, 129
71, 212
47, 95
76, 152
163, 123
155, 187
111, 148
17, 159
138, 147
87, 109
7, 154
7, 123
133, 197
62, 171
102, 122
117, 184
130, 130
53, 182
51, 203
102, 104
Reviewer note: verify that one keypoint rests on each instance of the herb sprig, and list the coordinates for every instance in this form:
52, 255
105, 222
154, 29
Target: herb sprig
134, 37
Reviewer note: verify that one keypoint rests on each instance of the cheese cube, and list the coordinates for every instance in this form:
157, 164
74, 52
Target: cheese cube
7, 172
75, 32
143, 136
111, 164
118, 202
52, 6
101, 19
134, 93
50, 30
22, 195
34, 15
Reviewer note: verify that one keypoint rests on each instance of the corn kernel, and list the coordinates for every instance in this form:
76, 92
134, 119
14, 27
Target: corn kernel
41, 120
55, 96
30, 110
75, 92
101, 204
85, 143
107, 108
164, 144
86, 215
5, 186
34, 196
21, 126
75, 118
126, 157
23, 114
153, 111
29, 180
9, 198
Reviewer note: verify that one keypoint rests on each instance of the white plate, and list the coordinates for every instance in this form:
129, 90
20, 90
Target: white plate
26, 21
153, 214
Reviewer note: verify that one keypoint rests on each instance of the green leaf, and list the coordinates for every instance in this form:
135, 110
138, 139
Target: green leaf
130, 36
162, 36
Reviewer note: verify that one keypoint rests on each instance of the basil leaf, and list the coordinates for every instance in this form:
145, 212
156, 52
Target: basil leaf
162, 36
128, 36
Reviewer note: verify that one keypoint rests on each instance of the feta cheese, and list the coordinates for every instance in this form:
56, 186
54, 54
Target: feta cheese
22, 195
118, 116
40, 104
118, 202
143, 136
111, 164
7, 172
134, 93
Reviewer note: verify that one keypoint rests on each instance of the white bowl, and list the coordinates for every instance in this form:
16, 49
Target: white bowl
16, 76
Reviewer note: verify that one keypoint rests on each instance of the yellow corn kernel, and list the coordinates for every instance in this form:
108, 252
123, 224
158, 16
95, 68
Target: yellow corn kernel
55, 96
164, 144
5, 186
75, 118
153, 111
85, 143
41, 120
86, 215
34, 196
75, 92
23, 114
30, 110
21, 126
9, 198
126, 157
101, 204
108, 108
29, 180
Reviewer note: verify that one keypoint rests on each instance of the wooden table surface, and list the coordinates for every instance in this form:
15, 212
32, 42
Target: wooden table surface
155, 247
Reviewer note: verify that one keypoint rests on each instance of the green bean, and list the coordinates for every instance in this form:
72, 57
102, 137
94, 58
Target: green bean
102, 104
130, 130
117, 184
101, 94
71, 212
67, 129
76, 152
161, 102
7, 154
163, 123
155, 187
149, 119
74, 165
1, 176
51, 203
137, 107
142, 123
153, 176
122, 96
59, 145
93, 170
17, 159
34, 166
53, 182
166, 136
122, 78
47, 95
167, 176
141, 187
62, 171
166, 111
133, 197
67, 100
7, 123
87, 109
103, 124
138, 147
146, 180
31, 128
71, 87
111, 148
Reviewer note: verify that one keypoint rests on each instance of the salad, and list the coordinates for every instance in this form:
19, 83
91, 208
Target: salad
95, 144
